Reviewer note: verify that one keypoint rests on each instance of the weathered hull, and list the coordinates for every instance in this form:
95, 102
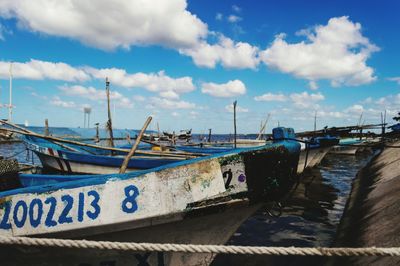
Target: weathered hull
70, 162
314, 157
200, 201
213, 226
62, 165
344, 150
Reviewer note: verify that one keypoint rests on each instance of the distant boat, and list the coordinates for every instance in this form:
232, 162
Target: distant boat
314, 152
348, 146
88, 160
197, 201
26, 124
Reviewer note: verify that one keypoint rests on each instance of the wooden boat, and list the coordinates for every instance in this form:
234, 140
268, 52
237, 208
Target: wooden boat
312, 154
84, 160
348, 146
198, 201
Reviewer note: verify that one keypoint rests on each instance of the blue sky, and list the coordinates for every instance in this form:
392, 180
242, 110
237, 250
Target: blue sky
185, 62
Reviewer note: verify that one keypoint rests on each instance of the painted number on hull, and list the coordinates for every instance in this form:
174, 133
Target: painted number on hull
39, 211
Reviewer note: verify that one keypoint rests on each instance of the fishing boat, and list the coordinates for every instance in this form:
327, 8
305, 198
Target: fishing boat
197, 201
314, 150
88, 160
348, 146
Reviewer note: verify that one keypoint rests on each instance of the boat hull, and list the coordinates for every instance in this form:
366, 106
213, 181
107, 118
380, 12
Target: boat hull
70, 162
314, 158
209, 226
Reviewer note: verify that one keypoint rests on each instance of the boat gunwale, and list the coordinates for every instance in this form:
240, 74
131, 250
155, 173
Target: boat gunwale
291, 145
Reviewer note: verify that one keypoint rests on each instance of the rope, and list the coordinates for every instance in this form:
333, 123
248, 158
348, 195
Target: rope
189, 248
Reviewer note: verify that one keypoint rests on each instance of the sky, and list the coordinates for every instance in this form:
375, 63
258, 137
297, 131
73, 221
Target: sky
186, 62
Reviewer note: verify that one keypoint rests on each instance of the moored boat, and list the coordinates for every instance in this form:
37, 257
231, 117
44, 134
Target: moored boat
88, 161
348, 146
199, 201
316, 149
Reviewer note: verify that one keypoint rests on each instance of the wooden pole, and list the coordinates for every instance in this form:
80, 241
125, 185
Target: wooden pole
234, 121
134, 147
315, 122
46, 127
209, 135
97, 137
109, 122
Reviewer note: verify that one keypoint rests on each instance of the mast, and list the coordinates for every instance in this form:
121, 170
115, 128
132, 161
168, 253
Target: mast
10, 104
234, 122
109, 122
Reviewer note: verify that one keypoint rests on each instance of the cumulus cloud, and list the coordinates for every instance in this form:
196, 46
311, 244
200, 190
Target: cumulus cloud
96, 95
107, 25
230, 89
337, 52
56, 101
39, 70
270, 97
306, 100
236, 8
159, 82
395, 79
234, 18
219, 16
301, 100
163, 103
230, 54
129, 23
229, 108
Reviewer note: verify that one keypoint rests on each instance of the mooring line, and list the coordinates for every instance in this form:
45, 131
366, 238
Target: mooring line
190, 248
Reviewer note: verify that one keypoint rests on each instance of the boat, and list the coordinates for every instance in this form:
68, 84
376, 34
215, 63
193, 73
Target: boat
348, 146
197, 201
86, 160
314, 150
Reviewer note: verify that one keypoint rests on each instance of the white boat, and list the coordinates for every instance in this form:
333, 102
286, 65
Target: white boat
198, 201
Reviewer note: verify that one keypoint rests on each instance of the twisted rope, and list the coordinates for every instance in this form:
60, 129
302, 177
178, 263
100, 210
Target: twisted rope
189, 248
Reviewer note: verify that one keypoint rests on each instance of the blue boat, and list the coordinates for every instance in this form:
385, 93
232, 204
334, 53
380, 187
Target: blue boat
88, 160
202, 201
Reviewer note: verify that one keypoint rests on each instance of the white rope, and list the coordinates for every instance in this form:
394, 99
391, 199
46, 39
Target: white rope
248, 250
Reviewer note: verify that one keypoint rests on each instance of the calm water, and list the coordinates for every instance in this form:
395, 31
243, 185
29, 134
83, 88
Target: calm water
309, 218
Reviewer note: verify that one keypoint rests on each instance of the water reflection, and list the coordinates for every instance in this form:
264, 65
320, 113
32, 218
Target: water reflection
309, 219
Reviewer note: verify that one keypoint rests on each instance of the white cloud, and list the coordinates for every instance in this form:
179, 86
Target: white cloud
156, 103
337, 52
230, 89
229, 108
300, 100
269, 97
107, 25
175, 114
236, 8
313, 85
230, 54
139, 98
306, 100
234, 18
56, 101
38, 70
355, 109
97, 95
159, 82
395, 79
219, 16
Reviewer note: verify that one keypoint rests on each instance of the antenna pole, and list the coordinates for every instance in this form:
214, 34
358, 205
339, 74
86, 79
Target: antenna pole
10, 105
234, 121
109, 123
